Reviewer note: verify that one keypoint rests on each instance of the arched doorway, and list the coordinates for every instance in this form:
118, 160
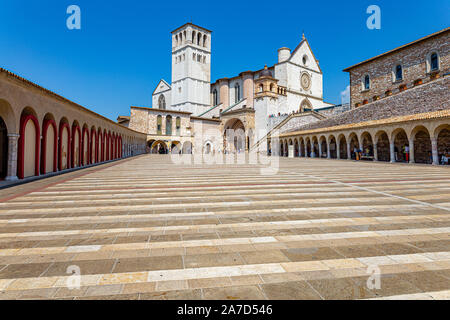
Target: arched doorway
85, 144
308, 148
296, 150
187, 147
49, 145
29, 142
443, 143
400, 142
175, 147
333, 147
302, 147
324, 147
3, 149
159, 147
354, 145
76, 145
316, 153
367, 145
422, 146
383, 151
234, 140
343, 147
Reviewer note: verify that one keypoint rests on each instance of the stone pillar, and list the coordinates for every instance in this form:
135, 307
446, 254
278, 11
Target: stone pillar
392, 148
13, 148
338, 150
248, 90
375, 152
320, 151
306, 150
300, 151
434, 150
349, 152
328, 151
411, 151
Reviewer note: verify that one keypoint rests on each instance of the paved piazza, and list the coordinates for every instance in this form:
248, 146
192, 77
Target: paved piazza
144, 228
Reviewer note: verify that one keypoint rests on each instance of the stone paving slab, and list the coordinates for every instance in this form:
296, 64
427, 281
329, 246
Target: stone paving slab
146, 228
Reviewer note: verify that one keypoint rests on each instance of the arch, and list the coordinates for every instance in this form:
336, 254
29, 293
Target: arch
112, 145
397, 73
49, 145
101, 146
208, 148
308, 148
29, 141
400, 140
383, 146
178, 126
108, 146
64, 146
162, 102
199, 38
442, 134
305, 105
168, 125
8, 116
85, 146
315, 147
159, 125
323, 147
205, 39
237, 93
422, 145
333, 146
3, 149
354, 145
296, 149
302, 147
343, 154
93, 146
234, 136
367, 144
159, 147
76, 145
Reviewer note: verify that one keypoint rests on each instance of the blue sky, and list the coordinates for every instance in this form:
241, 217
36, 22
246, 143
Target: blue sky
124, 47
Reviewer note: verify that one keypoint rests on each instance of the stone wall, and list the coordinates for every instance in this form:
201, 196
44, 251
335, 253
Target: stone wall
429, 97
413, 60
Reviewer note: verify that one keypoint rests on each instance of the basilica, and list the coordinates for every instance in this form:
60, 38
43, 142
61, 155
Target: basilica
192, 114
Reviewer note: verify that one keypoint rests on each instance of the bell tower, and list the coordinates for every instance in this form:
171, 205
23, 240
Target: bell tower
191, 69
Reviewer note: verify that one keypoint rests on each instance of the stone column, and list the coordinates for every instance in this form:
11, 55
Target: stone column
349, 152
13, 140
434, 150
411, 151
306, 150
320, 151
328, 151
338, 151
375, 152
392, 148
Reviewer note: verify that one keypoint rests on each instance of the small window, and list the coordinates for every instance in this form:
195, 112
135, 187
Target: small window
159, 125
434, 62
215, 98
305, 60
398, 73
162, 102
237, 93
367, 82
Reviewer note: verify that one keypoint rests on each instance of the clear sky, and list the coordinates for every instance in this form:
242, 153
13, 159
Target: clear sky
124, 47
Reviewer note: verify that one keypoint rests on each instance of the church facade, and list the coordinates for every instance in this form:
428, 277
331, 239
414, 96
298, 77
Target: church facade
192, 113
